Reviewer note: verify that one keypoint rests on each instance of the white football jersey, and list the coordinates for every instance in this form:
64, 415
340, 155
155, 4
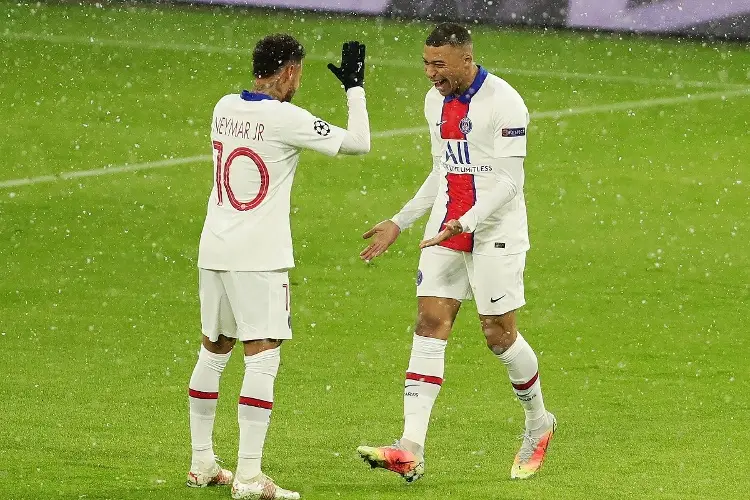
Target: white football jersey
468, 132
256, 142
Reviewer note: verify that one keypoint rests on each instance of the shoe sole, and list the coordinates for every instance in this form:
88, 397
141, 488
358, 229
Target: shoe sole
194, 485
261, 495
191, 484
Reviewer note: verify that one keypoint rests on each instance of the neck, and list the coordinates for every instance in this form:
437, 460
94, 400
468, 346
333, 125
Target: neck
268, 87
469, 80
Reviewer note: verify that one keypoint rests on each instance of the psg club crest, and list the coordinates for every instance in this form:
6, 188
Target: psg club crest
321, 128
420, 276
464, 125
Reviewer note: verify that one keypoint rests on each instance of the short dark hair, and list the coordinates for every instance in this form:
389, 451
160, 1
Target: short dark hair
274, 52
449, 34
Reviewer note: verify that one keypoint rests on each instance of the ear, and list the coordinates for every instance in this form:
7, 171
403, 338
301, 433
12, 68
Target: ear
291, 71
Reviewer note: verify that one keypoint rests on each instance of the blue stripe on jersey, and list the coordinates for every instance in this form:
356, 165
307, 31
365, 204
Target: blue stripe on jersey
254, 96
473, 88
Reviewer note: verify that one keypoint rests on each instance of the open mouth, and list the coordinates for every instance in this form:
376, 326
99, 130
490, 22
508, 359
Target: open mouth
440, 84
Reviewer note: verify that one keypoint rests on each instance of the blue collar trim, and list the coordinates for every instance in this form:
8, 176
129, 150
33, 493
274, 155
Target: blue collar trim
255, 96
473, 88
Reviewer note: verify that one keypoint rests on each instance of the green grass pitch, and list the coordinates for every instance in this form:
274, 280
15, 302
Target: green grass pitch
637, 282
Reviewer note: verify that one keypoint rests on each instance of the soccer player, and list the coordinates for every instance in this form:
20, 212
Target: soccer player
246, 247
475, 246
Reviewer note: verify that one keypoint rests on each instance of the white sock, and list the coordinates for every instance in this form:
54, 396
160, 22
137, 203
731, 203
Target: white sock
423, 381
254, 410
523, 371
203, 394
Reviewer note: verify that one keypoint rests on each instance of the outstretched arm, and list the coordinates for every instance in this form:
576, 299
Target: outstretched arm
422, 201
386, 232
351, 74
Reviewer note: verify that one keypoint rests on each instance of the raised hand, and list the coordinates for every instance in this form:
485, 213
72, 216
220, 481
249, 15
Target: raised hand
352, 70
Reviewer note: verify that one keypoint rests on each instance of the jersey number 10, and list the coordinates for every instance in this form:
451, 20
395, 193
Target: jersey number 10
222, 177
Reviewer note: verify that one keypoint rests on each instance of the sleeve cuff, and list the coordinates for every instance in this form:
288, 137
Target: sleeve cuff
467, 224
355, 92
401, 224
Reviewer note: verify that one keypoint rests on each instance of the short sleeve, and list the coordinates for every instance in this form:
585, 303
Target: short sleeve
303, 130
511, 122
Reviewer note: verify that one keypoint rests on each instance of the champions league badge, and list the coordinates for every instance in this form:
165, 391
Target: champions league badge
321, 128
464, 125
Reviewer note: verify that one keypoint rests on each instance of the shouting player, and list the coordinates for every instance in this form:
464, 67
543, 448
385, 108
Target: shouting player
476, 247
246, 247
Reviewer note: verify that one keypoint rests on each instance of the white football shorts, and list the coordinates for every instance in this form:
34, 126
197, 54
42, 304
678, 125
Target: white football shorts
246, 305
495, 282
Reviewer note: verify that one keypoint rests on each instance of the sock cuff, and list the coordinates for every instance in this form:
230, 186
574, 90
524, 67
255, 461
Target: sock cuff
264, 355
265, 362
514, 350
216, 362
428, 347
427, 360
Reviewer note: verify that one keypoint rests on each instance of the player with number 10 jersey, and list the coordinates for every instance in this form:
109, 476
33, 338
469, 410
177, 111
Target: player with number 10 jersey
256, 142
246, 247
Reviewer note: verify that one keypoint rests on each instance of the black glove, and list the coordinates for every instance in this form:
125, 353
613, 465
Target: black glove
352, 70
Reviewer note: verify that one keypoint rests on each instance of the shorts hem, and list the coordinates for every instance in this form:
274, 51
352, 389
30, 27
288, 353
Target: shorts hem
248, 337
499, 311
214, 336
442, 296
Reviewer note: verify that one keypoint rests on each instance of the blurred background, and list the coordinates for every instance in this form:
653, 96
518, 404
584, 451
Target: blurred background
722, 18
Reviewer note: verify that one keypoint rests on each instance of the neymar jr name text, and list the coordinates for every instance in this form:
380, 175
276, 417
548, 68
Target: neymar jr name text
238, 128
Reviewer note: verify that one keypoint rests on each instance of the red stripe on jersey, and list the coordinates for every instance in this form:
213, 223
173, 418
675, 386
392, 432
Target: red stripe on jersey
453, 112
259, 403
523, 387
461, 191
462, 195
424, 378
203, 395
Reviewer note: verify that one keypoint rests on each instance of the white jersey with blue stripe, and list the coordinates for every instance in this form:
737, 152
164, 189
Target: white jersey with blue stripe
256, 142
471, 134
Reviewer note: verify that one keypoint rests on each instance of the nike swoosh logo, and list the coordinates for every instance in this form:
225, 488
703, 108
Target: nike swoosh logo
440, 123
411, 385
495, 300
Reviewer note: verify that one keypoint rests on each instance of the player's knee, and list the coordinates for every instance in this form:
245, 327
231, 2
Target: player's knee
432, 326
222, 345
253, 347
498, 338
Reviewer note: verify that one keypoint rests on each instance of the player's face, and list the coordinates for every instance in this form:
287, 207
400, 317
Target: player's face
448, 67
